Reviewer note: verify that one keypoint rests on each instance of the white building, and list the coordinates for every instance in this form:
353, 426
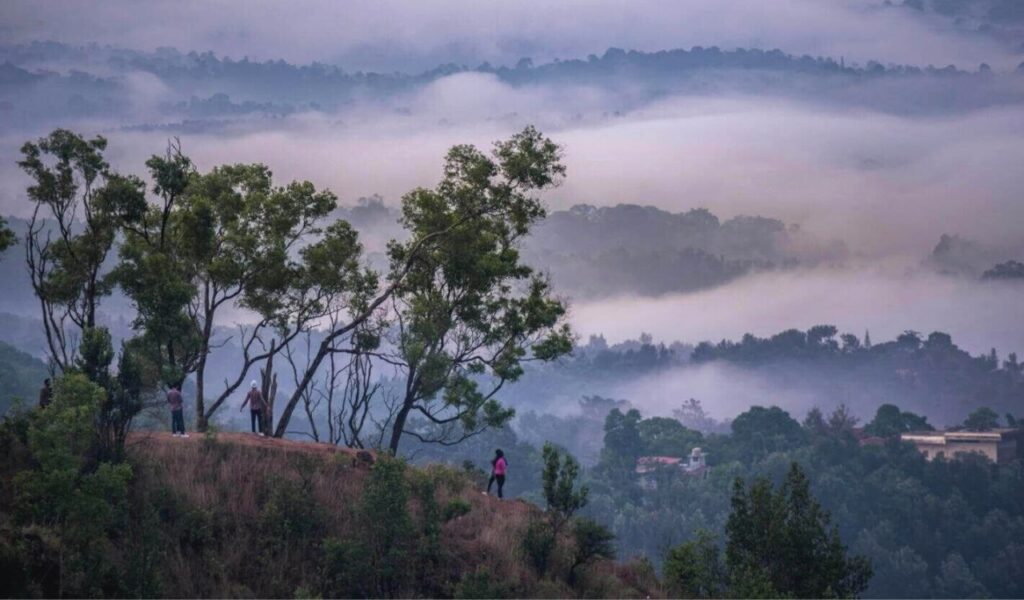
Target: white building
998, 445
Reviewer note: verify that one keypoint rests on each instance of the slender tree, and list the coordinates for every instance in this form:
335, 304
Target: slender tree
464, 308
70, 233
469, 312
230, 238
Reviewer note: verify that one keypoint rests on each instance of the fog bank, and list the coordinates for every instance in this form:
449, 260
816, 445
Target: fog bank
885, 302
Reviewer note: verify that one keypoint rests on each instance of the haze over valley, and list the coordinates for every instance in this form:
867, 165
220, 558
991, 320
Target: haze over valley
684, 257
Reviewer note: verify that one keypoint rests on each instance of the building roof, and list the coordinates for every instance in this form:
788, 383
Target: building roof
646, 464
960, 435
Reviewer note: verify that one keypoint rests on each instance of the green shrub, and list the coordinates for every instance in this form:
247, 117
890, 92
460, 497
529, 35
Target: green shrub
343, 574
456, 508
538, 545
591, 542
389, 532
482, 584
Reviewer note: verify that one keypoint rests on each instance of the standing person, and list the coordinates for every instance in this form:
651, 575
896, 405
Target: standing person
45, 394
256, 403
498, 467
177, 410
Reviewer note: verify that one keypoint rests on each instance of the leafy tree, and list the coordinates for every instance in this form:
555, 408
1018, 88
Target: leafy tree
151, 273
909, 339
842, 421
695, 569
761, 431
226, 239
622, 441
389, 536
1012, 365
822, 335
890, 421
7, 237
662, 436
982, 419
238, 232
468, 311
70, 234
850, 342
75, 504
783, 538
814, 422
591, 542
124, 390
561, 494
538, 544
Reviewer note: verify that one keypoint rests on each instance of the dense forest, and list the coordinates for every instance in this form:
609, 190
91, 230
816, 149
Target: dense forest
938, 529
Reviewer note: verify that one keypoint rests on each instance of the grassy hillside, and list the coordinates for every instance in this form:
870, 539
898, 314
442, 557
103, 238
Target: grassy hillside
231, 515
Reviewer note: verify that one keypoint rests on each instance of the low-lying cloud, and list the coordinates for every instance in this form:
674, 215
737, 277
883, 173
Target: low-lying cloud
884, 301
885, 184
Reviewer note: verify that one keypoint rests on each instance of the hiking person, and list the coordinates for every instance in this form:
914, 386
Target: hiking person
45, 394
256, 404
177, 411
498, 467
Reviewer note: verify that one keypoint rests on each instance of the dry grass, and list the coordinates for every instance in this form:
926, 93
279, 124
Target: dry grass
229, 469
226, 477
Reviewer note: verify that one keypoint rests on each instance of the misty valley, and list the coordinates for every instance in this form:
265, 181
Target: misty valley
717, 299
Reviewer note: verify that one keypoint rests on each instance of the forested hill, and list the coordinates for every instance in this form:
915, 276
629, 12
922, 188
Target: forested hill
45, 79
590, 251
796, 369
630, 249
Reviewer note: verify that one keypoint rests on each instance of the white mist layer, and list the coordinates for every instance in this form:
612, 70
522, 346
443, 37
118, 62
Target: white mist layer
978, 315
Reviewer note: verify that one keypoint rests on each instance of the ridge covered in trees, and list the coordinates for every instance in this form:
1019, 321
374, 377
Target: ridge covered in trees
207, 91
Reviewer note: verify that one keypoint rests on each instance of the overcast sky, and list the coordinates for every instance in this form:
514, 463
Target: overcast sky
387, 35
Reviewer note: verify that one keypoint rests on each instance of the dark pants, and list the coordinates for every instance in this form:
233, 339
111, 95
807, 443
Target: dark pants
256, 420
178, 421
501, 484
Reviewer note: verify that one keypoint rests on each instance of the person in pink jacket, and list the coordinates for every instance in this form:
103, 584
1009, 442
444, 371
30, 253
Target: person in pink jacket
498, 467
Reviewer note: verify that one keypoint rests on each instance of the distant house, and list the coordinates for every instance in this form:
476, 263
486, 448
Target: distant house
648, 466
863, 439
998, 445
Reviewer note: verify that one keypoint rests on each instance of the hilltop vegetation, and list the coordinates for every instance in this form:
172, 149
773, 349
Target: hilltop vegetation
224, 516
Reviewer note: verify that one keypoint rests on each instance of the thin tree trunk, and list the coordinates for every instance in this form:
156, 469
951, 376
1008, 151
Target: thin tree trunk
202, 422
269, 385
396, 433
307, 377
